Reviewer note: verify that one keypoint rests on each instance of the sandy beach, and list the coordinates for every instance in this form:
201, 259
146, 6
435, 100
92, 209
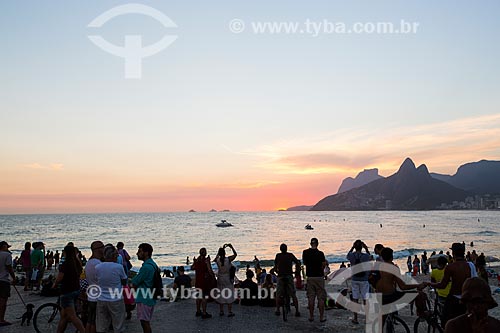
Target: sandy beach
181, 316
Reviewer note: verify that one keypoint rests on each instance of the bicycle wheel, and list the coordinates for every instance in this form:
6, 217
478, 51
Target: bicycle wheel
46, 318
426, 325
395, 325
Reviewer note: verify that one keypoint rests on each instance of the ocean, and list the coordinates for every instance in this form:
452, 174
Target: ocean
175, 236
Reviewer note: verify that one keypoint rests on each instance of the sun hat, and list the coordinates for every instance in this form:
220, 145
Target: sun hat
477, 289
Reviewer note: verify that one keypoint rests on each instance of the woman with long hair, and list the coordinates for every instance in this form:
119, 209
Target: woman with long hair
69, 277
26, 263
224, 283
203, 271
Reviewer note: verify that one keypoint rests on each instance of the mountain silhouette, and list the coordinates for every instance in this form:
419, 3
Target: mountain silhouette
410, 188
364, 177
481, 177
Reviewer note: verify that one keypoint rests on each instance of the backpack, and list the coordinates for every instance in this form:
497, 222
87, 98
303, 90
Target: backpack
356, 262
157, 288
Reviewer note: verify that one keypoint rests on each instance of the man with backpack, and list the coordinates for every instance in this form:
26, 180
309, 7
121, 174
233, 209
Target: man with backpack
148, 285
360, 285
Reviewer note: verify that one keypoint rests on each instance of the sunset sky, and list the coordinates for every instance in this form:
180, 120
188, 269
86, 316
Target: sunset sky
237, 121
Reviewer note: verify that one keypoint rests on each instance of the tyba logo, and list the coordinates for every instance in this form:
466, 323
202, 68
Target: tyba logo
374, 309
132, 50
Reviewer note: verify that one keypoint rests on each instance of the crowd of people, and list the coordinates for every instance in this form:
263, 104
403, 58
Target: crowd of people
456, 276
94, 282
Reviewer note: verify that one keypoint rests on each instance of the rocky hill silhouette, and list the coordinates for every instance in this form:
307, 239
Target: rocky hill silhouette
482, 177
410, 188
364, 177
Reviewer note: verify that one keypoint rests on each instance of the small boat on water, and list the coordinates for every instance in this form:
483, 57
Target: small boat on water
308, 227
224, 224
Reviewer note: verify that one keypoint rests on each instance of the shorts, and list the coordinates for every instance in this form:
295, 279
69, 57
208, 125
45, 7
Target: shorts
110, 313
28, 271
144, 312
452, 308
360, 290
4, 289
91, 312
316, 288
69, 299
285, 282
392, 298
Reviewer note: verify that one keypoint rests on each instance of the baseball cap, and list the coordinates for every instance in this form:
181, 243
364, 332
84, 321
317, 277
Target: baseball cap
4, 243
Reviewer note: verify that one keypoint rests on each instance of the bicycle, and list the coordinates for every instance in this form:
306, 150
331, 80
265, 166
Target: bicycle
46, 317
394, 324
284, 297
430, 322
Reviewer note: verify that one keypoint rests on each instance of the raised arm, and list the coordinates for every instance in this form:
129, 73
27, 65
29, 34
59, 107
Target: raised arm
366, 249
231, 258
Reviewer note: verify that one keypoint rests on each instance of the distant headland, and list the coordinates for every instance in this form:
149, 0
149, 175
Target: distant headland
476, 185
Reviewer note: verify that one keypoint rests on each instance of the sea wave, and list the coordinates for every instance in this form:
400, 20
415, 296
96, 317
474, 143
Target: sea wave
486, 233
339, 258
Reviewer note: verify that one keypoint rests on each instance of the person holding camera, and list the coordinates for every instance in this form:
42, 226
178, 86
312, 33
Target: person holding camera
360, 285
224, 283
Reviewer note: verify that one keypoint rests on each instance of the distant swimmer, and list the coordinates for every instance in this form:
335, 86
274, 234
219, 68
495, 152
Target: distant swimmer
478, 220
381, 225
471, 244
424, 225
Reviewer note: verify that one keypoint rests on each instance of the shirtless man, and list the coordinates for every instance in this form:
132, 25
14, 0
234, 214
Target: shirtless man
456, 272
390, 280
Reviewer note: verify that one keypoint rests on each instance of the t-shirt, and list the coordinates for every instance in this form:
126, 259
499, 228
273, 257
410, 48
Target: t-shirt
283, 263
249, 293
437, 274
91, 276
313, 259
145, 280
5, 260
362, 257
109, 279
70, 281
26, 258
37, 258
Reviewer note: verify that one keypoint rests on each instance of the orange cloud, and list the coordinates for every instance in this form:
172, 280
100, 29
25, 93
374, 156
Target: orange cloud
443, 146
